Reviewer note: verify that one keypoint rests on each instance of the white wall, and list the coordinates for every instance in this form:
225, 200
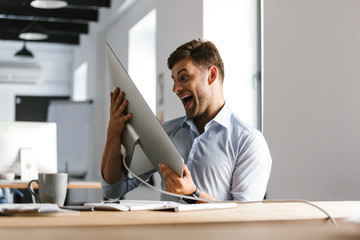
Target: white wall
56, 73
311, 59
178, 22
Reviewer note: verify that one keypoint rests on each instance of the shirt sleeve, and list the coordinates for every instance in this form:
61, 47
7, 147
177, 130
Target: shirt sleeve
123, 186
252, 170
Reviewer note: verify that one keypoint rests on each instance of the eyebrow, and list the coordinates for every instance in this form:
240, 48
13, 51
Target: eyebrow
178, 72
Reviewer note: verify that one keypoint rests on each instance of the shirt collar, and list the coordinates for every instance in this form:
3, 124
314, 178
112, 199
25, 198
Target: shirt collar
223, 118
190, 123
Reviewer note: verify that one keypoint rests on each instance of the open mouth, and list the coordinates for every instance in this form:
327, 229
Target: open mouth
186, 99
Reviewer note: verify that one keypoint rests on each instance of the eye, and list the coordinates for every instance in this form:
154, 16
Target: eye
183, 77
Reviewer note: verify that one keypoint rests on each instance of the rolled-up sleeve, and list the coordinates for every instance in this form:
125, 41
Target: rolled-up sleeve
121, 187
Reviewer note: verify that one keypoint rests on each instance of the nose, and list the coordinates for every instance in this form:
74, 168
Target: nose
176, 87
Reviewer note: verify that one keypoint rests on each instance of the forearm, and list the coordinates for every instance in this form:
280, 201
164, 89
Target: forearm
111, 164
206, 196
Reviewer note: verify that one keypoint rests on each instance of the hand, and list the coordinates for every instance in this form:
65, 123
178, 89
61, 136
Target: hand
111, 164
117, 117
176, 184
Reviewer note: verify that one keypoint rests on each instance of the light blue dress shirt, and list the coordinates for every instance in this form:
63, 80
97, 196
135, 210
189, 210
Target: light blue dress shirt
230, 160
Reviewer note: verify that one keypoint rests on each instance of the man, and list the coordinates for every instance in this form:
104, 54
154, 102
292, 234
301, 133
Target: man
225, 159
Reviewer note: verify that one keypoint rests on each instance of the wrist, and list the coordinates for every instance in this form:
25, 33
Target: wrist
195, 194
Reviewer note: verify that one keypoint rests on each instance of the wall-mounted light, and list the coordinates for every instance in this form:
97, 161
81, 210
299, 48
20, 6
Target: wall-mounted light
24, 52
33, 31
48, 4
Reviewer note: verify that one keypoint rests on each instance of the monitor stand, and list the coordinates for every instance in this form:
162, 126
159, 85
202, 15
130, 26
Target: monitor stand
135, 158
27, 165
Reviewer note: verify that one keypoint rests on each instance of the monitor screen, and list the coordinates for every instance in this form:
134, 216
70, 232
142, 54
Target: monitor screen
143, 128
38, 139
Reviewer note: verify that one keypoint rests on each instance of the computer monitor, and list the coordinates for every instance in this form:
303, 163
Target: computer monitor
143, 129
28, 148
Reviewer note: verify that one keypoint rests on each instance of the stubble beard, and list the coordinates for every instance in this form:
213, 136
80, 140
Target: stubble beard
198, 108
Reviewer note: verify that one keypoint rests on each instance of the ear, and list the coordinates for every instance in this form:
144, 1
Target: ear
213, 74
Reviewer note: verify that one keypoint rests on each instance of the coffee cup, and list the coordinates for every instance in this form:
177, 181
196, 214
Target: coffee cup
52, 188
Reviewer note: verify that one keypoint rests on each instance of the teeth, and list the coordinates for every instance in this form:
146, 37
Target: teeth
185, 96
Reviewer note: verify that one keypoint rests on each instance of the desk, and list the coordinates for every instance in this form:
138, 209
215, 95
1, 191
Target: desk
247, 221
71, 185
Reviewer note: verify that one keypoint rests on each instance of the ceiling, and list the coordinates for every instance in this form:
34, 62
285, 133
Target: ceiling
63, 25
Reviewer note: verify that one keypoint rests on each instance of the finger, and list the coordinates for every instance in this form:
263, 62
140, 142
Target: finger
118, 101
170, 184
111, 100
164, 171
122, 106
127, 117
115, 94
186, 171
164, 168
169, 175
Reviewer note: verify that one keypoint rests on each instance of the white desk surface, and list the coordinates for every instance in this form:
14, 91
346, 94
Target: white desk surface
247, 221
244, 213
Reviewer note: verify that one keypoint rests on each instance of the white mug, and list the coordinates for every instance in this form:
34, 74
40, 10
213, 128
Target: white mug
52, 188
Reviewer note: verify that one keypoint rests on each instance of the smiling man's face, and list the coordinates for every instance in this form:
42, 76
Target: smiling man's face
191, 86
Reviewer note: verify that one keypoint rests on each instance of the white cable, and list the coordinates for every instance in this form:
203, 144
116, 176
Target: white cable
219, 201
297, 201
160, 190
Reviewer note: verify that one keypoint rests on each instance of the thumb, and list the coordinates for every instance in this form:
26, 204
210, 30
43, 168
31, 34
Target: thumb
186, 172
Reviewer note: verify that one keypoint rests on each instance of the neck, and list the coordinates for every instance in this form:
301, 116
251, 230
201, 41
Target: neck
207, 116
214, 106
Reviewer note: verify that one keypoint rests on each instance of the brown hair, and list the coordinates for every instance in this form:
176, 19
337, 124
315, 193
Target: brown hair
203, 53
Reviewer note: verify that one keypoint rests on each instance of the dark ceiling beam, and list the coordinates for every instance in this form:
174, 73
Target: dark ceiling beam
15, 25
90, 3
65, 39
62, 25
62, 13
71, 3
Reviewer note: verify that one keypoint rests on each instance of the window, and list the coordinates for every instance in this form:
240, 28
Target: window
234, 30
80, 83
142, 57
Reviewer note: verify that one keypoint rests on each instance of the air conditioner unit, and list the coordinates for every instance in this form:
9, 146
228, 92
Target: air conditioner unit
20, 72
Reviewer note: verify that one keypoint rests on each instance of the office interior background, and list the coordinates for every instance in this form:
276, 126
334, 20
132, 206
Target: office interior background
291, 71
